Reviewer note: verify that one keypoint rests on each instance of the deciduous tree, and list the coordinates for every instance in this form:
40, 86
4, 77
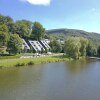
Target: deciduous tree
55, 46
72, 47
23, 28
38, 31
91, 49
14, 44
84, 44
99, 51
4, 37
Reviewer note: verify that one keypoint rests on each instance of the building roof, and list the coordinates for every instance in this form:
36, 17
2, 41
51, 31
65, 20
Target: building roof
36, 45
45, 44
25, 45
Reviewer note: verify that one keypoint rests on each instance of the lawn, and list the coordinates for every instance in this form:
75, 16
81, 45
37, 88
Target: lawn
30, 61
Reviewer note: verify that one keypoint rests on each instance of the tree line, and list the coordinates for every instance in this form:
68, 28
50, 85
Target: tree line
76, 47
11, 33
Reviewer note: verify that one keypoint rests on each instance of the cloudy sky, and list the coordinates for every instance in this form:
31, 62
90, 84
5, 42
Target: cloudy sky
74, 14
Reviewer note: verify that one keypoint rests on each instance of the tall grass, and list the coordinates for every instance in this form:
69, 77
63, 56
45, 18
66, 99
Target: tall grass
30, 61
9, 57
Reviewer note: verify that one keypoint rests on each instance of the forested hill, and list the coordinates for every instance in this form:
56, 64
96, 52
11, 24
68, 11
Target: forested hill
63, 33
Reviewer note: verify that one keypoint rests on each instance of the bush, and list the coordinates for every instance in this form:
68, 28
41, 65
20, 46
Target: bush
30, 63
20, 64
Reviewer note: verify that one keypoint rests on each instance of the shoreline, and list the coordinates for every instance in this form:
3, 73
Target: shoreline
98, 58
17, 62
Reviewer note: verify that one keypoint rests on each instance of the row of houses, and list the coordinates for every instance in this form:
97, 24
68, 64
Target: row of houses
36, 46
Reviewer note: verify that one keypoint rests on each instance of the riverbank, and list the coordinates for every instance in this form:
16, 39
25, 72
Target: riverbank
31, 61
97, 58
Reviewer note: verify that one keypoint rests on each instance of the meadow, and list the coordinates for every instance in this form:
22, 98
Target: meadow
16, 62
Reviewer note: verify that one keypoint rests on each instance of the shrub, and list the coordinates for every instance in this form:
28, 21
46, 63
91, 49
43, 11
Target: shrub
30, 63
20, 64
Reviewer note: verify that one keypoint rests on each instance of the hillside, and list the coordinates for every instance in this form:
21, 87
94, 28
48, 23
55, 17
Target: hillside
63, 33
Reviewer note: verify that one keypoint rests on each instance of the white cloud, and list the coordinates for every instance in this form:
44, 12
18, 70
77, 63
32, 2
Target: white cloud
38, 2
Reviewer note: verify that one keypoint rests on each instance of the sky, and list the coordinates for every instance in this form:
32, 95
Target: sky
53, 14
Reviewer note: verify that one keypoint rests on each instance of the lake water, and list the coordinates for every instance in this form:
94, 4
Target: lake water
75, 80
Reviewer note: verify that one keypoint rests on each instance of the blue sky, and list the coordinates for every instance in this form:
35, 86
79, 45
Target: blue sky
52, 14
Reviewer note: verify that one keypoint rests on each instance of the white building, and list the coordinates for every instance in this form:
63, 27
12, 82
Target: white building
25, 45
36, 46
47, 41
45, 44
60, 41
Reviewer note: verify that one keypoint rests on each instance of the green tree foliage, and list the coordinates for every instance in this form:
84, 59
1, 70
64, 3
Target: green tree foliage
2, 49
4, 37
72, 47
4, 28
46, 50
14, 44
23, 28
84, 44
99, 51
91, 49
31, 49
13, 28
38, 31
25, 50
6, 20
56, 46
42, 50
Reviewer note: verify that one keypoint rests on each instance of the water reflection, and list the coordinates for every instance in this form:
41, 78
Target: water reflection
75, 80
20, 75
18, 83
76, 67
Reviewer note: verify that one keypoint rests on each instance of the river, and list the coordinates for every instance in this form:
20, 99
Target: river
75, 80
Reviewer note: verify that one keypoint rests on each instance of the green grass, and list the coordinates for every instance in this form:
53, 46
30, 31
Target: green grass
9, 57
30, 61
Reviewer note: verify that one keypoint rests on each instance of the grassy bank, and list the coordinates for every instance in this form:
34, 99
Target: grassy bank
9, 57
30, 61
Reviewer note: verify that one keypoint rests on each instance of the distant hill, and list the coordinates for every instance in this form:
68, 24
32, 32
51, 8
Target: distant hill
63, 33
